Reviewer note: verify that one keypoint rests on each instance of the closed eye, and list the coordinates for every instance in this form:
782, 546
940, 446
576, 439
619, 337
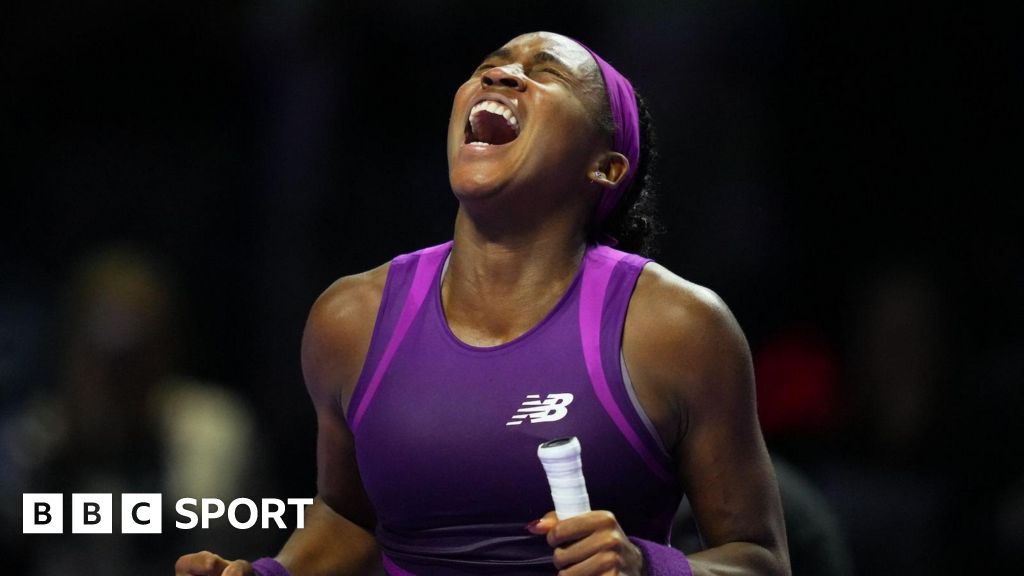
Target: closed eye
551, 71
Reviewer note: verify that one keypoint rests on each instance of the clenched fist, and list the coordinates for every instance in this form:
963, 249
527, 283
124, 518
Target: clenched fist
590, 544
209, 564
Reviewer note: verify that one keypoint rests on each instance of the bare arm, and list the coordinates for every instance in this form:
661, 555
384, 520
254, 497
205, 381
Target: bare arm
338, 536
691, 363
691, 370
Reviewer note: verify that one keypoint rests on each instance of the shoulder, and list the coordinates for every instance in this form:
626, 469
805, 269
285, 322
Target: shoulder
677, 311
348, 299
682, 341
338, 331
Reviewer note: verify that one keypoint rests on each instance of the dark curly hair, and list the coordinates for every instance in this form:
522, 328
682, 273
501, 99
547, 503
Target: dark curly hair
633, 221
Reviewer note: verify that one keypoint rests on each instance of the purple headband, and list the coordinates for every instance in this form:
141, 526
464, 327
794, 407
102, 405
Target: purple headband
622, 101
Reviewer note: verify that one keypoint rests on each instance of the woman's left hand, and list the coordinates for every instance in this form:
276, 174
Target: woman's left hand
590, 544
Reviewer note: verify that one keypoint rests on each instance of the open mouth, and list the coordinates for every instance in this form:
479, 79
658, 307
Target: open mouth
491, 123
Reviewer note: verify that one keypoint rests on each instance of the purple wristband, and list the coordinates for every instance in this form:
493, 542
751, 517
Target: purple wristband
269, 567
662, 560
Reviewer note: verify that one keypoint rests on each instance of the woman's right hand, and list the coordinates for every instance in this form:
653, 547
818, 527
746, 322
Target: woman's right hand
209, 564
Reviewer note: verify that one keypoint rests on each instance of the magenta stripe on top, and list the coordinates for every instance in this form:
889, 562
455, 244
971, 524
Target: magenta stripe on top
426, 266
392, 568
595, 284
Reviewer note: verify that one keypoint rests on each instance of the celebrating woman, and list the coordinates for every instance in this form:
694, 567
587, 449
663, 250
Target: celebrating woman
436, 376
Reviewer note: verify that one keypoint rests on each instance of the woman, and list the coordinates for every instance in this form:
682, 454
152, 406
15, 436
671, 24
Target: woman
435, 376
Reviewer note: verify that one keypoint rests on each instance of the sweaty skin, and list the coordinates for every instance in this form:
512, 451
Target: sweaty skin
519, 239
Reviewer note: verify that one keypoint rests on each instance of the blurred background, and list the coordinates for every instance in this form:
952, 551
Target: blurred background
182, 179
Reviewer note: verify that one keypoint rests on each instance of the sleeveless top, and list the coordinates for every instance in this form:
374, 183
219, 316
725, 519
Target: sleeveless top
446, 433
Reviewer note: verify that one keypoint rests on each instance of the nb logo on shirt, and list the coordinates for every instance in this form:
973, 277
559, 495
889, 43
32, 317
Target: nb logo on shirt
535, 410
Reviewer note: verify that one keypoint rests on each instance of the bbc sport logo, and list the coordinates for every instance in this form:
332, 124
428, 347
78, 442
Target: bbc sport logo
142, 513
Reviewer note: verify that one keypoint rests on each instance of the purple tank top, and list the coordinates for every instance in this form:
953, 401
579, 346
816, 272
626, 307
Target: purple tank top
446, 433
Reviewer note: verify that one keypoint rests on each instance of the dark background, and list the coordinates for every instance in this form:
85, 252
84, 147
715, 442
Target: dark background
845, 176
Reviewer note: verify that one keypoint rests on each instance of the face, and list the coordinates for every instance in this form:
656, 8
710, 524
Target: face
526, 120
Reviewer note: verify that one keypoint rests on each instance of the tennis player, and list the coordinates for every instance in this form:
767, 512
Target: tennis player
436, 376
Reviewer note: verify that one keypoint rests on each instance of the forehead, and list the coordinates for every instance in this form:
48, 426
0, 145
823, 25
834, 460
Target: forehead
566, 50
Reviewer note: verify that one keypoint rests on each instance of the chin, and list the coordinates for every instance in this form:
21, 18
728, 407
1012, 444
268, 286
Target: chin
475, 194
475, 185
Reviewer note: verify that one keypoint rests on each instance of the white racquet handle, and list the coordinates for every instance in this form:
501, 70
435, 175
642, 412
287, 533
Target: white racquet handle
562, 464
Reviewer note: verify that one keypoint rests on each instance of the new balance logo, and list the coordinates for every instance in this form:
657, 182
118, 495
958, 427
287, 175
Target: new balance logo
535, 410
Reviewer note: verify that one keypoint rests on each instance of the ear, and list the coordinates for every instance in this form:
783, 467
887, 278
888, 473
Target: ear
609, 170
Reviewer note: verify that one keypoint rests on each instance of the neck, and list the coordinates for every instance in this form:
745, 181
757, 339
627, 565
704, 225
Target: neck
500, 284
511, 255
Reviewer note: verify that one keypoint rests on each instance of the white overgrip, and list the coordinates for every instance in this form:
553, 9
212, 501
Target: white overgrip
564, 469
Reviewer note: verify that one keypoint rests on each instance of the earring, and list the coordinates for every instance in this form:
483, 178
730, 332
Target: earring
598, 175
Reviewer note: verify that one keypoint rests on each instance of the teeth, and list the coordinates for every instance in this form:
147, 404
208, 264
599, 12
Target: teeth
494, 108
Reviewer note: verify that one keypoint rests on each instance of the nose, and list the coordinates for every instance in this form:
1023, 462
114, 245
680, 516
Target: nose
506, 76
